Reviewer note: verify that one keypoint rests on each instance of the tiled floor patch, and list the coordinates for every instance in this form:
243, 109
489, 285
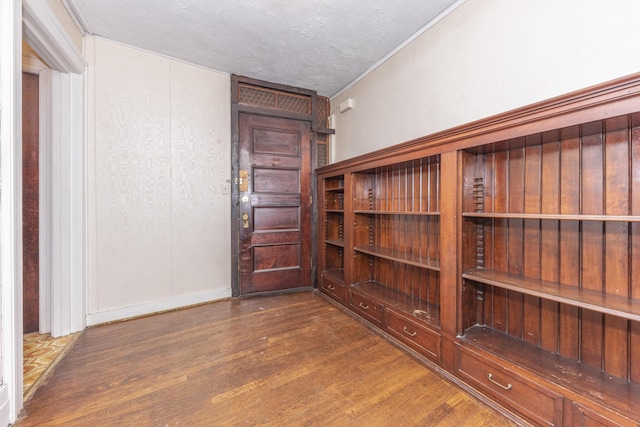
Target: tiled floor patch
40, 354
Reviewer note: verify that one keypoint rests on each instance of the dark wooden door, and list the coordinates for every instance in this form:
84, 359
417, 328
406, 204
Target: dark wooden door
275, 203
30, 203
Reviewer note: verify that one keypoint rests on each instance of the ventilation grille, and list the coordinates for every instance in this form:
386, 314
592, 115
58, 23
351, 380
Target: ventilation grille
269, 98
323, 155
322, 111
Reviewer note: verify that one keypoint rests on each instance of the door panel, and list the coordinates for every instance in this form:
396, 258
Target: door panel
275, 209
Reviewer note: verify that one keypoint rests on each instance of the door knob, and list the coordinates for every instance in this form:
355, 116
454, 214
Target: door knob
245, 221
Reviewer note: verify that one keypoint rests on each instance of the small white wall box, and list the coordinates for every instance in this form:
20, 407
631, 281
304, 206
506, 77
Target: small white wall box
346, 105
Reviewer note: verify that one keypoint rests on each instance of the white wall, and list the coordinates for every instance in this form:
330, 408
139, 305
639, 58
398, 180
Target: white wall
159, 153
487, 57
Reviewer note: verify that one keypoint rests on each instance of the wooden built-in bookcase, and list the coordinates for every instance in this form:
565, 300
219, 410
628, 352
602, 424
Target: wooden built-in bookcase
506, 252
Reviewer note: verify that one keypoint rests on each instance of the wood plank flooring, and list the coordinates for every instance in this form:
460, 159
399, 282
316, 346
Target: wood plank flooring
292, 360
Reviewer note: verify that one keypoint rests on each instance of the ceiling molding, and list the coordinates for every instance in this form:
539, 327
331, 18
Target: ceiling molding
77, 17
414, 36
54, 45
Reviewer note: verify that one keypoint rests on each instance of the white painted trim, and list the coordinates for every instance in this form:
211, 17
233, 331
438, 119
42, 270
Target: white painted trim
68, 204
11, 202
401, 46
77, 204
4, 405
48, 38
154, 307
44, 190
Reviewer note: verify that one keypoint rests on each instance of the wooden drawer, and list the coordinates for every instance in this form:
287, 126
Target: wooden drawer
333, 288
415, 334
365, 307
540, 405
600, 417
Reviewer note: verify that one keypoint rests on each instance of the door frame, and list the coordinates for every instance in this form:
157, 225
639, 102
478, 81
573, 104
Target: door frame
62, 170
236, 109
48, 38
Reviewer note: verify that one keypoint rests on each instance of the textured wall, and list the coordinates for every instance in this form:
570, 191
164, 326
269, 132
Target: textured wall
487, 57
159, 225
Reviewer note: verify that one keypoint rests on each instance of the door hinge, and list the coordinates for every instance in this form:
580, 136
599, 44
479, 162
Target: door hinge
311, 200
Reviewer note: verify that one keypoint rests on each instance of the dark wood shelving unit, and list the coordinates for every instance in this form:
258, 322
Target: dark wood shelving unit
506, 252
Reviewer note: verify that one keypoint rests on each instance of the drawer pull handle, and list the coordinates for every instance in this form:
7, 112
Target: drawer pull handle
411, 334
507, 387
366, 307
331, 287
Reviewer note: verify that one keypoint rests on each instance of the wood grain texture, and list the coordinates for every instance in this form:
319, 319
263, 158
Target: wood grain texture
30, 202
283, 360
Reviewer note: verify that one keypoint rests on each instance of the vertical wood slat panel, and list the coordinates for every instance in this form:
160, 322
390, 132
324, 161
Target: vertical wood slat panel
549, 262
532, 236
434, 206
416, 192
515, 242
592, 194
616, 241
500, 236
634, 370
569, 237
488, 175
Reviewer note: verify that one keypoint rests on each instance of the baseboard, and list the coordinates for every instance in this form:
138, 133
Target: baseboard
155, 307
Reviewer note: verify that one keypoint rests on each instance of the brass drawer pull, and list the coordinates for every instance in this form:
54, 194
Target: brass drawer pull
366, 307
411, 334
331, 287
507, 387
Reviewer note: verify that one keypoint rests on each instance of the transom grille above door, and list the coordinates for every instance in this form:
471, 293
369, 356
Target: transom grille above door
270, 98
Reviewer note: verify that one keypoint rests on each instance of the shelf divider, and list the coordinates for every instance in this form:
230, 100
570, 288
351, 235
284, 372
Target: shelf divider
572, 295
400, 256
576, 217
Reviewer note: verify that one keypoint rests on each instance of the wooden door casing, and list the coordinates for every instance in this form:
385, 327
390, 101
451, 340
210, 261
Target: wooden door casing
275, 209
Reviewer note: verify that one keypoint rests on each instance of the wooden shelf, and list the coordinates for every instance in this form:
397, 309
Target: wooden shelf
383, 212
604, 218
400, 256
338, 211
581, 379
572, 295
336, 274
339, 243
401, 301
334, 190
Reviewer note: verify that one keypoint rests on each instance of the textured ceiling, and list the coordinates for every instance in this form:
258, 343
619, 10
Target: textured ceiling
321, 45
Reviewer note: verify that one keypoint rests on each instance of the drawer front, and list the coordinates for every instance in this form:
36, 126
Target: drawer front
332, 288
371, 311
418, 336
584, 416
533, 401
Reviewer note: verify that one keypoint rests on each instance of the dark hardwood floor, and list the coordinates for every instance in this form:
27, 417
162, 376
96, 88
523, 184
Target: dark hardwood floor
280, 360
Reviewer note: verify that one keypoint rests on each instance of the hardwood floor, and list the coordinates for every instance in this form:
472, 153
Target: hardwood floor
271, 361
